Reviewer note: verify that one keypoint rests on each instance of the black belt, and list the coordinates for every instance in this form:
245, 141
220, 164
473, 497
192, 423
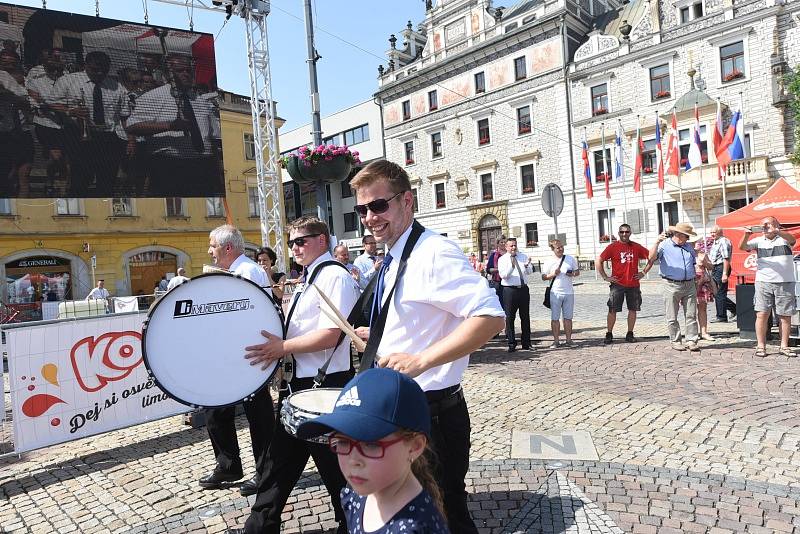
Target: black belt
516, 287
673, 280
443, 399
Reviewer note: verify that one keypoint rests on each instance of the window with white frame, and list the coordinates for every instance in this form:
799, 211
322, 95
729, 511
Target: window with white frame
690, 11
599, 95
214, 207
731, 61
332, 140
487, 187
436, 145
408, 149
527, 177
660, 82
406, 105
346, 190
649, 161
480, 83
599, 170
68, 206
484, 136
439, 197
523, 120
531, 234
121, 207
685, 142
176, 207
433, 100
254, 208
350, 221
416, 200
249, 146
5, 206
605, 225
667, 215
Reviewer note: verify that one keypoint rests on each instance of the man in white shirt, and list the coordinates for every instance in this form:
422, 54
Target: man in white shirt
99, 293
226, 248
441, 311
182, 132
368, 263
775, 281
16, 143
94, 139
512, 267
342, 255
178, 279
312, 339
48, 132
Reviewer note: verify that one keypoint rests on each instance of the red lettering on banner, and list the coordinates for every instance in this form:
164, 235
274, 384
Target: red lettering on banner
110, 357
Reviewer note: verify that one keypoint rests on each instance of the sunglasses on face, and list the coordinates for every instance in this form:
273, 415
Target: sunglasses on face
624, 232
379, 205
301, 241
369, 449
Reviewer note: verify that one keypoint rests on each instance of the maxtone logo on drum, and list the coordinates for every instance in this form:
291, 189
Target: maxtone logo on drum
187, 308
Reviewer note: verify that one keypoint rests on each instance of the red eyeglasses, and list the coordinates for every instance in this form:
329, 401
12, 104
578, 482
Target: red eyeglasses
369, 449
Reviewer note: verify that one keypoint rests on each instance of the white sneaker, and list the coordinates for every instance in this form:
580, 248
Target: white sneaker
677, 345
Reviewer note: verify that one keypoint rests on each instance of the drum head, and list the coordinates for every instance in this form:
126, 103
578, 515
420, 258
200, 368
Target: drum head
194, 338
319, 401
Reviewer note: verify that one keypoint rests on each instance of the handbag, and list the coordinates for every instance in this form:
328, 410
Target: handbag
550, 287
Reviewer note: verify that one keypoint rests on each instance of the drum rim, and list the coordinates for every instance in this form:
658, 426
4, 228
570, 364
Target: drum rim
152, 375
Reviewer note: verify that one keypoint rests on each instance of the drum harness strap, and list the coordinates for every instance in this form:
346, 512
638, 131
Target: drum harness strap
364, 305
289, 365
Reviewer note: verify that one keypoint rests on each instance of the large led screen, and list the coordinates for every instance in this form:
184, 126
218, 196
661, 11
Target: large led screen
93, 107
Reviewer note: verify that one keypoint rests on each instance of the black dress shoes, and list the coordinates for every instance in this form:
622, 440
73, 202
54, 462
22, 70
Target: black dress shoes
512, 349
250, 487
217, 478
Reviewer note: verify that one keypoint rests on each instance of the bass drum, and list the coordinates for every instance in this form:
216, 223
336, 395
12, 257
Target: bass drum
194, 338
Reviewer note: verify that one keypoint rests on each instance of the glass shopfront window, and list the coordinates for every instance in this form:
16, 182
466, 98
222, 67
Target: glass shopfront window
31, 281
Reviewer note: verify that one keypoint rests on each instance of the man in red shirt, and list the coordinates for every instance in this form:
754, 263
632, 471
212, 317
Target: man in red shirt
624, 256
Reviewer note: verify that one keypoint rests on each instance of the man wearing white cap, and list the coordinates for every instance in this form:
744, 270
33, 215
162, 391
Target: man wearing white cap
676, 263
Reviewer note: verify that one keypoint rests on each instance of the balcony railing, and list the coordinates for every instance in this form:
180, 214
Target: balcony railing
755, 169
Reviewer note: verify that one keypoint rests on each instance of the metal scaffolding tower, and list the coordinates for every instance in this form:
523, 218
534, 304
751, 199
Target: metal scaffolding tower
254, 13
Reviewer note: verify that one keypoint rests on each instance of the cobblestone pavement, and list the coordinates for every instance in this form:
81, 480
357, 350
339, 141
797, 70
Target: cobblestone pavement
686, 442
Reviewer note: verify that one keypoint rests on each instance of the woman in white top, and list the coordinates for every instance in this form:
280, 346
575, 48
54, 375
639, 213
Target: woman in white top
561, 269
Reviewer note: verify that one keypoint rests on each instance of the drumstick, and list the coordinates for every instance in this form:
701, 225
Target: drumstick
337, 317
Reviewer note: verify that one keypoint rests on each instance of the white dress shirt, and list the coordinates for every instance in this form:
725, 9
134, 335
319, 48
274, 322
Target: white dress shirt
366, 265
247, 268
176, 281
438, 291
341, 289
98, 293
9, 111
161, 104
71, 89
509, 275
43, 85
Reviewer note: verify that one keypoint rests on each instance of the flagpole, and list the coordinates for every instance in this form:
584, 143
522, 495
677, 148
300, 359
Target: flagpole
641, 187
624, 195
718, 124
663, 211
605, 177
696, 137
591, 202
747, 158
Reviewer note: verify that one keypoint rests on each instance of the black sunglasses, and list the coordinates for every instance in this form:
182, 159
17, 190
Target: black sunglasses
300, 241
379, 205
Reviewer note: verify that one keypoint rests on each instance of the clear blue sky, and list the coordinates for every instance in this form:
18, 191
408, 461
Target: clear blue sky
346, 74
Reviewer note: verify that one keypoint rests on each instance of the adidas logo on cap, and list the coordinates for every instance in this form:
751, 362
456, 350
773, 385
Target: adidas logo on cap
349, 398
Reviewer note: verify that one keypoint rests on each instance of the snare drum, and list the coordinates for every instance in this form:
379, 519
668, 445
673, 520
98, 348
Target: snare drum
306, 405
194, 338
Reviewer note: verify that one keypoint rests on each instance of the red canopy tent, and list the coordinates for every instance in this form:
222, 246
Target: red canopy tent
782, 201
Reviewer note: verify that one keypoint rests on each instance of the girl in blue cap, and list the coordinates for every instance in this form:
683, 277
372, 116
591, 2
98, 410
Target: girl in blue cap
380, 427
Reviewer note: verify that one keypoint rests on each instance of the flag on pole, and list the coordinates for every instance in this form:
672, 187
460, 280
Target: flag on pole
606, 181
637, 161
673, 153
695, 158
619, 168
659, 155
732, 144
718, 140
587, 170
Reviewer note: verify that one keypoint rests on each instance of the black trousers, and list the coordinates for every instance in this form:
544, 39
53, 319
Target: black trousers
517, 299
721, 299
94, 162
185, 177
284, 463
222, 431
450, 432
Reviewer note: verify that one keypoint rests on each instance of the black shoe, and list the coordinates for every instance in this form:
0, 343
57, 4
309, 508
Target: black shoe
718, 320
512, 349
527, 347
216, 479
609, 338
629, 338
249, 487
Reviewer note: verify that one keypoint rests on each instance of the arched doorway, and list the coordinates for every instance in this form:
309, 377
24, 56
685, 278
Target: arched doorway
489, 231
144, 267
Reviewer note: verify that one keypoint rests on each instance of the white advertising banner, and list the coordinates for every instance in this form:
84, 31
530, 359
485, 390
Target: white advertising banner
73, 379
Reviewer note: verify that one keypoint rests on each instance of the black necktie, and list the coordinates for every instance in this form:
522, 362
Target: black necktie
194, 129
99, 114
521, 276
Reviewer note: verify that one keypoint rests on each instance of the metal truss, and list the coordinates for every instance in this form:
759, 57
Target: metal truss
270, 189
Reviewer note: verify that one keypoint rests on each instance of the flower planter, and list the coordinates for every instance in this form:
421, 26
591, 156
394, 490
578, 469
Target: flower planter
327, 171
